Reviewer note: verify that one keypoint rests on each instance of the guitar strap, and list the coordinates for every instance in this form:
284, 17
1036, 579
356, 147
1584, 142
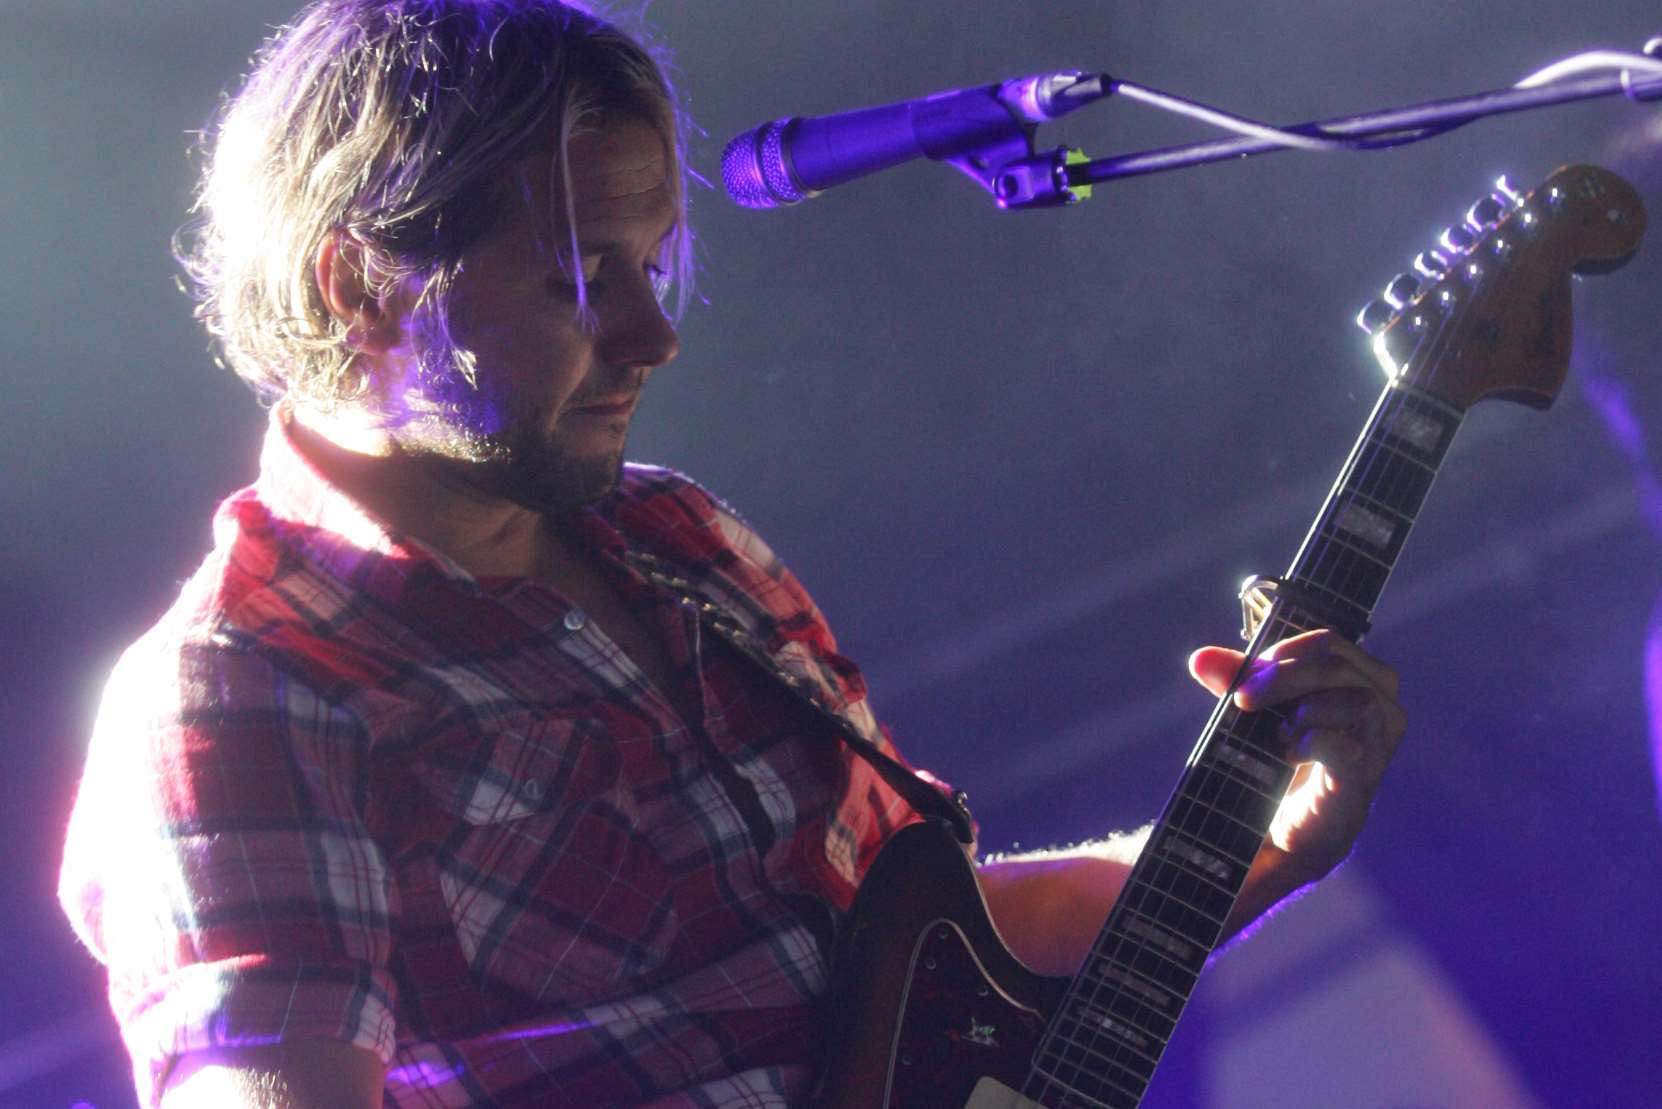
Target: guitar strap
932, 803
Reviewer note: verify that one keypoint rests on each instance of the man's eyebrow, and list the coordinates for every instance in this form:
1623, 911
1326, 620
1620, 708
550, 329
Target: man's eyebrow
588, 245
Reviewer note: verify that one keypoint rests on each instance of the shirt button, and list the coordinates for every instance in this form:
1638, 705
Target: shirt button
575, 619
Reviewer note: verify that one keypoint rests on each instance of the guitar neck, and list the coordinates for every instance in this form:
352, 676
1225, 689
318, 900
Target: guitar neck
1107, 1036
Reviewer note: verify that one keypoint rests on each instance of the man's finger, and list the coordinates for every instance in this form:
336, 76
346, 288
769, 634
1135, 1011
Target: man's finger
1324, 642
1215, 668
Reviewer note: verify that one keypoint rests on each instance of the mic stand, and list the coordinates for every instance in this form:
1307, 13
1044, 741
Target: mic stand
1063, 176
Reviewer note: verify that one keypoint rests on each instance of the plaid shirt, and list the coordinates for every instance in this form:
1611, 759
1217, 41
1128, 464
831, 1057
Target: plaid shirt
345, 790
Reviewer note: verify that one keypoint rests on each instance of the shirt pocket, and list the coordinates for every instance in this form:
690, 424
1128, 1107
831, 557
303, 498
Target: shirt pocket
553, 887
520, 767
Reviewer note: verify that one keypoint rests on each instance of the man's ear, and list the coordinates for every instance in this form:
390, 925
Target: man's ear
374, 325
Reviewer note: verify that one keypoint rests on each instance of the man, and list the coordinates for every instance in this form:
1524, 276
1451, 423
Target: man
438, 785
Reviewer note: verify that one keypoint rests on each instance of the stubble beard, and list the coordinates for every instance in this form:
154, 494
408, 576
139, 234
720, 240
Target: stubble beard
527, 462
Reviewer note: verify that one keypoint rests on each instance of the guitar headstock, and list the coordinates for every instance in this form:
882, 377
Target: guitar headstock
1487, 313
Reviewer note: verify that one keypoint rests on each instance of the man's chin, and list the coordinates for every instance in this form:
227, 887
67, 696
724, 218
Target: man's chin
565, 487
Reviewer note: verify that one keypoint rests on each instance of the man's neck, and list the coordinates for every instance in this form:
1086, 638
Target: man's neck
419, 497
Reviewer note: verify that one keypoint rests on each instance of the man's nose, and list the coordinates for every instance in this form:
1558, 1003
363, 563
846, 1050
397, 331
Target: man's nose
638, 334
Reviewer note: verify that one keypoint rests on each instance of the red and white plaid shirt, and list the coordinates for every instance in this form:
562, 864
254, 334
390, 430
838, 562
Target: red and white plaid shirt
345, 790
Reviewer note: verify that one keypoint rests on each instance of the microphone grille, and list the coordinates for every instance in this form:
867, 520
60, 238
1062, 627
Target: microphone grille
754, 169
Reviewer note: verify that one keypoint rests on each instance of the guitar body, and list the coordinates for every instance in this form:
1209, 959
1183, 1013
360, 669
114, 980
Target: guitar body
928, 999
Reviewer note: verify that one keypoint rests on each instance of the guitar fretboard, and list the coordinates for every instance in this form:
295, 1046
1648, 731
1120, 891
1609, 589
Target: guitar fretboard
1106, 1038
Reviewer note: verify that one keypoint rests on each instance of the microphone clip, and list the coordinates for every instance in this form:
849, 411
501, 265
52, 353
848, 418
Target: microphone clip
1037, 181
1004, 161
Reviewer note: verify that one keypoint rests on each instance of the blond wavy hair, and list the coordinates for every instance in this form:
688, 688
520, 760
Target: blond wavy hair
384, 121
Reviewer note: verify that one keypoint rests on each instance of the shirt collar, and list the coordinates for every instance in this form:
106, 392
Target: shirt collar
342, 531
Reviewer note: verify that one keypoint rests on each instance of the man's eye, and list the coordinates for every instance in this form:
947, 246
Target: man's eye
566, 272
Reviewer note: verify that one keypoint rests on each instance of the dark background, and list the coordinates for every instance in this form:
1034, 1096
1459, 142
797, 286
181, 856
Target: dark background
1022, 459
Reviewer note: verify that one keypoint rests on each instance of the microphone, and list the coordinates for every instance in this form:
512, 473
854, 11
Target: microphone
790, 160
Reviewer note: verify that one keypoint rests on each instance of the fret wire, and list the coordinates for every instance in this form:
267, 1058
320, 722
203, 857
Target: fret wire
1443, 407
1069, 1090
1109, 996
1074, 1064
1143, 982
1121, 1001
1053, 1084
1227, 729
1106, 1007
1207, 878
1364, 466
1341, 598
1180, 930
1224, 768
1337, 541
1118, 959
1191, 801
1118, 1045
1288, 624
1405, 491
1371, 462
1428, 407
1131, 1085
1169, 974
1047, 1043
1413, 397
1195, 845
1378, 444
1091, 985
1381, 508
1112, 997
1185, 940
1344, 577
1182, 873
1243, 825
1392, 433
1102, 1042
1120, 1081
1093, 989
1140, 947
1204, 779
1131, 949
1194, 928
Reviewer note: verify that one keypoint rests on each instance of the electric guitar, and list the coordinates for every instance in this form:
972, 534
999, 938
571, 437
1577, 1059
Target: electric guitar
933, 1010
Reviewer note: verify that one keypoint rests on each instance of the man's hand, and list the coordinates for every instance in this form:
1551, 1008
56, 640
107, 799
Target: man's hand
1342, 713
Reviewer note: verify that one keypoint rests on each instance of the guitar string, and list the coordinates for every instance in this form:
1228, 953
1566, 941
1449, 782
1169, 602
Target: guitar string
1373, 448
1089, 989
1116, 992
1095, 988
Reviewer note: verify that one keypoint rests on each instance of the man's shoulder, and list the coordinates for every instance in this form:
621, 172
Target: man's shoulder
666, 489
656, 503
251, 597
677, 518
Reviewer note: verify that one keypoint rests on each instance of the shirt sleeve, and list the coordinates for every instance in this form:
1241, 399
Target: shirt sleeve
219, 863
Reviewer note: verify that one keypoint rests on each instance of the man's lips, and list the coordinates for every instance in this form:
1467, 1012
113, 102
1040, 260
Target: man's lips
604, 406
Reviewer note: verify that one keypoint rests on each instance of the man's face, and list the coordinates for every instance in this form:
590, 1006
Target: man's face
545, 422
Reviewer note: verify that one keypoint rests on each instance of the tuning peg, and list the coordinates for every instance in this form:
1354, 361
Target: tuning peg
1401, 289
1457, 239
1374, 316
1485, 214
1429, 263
